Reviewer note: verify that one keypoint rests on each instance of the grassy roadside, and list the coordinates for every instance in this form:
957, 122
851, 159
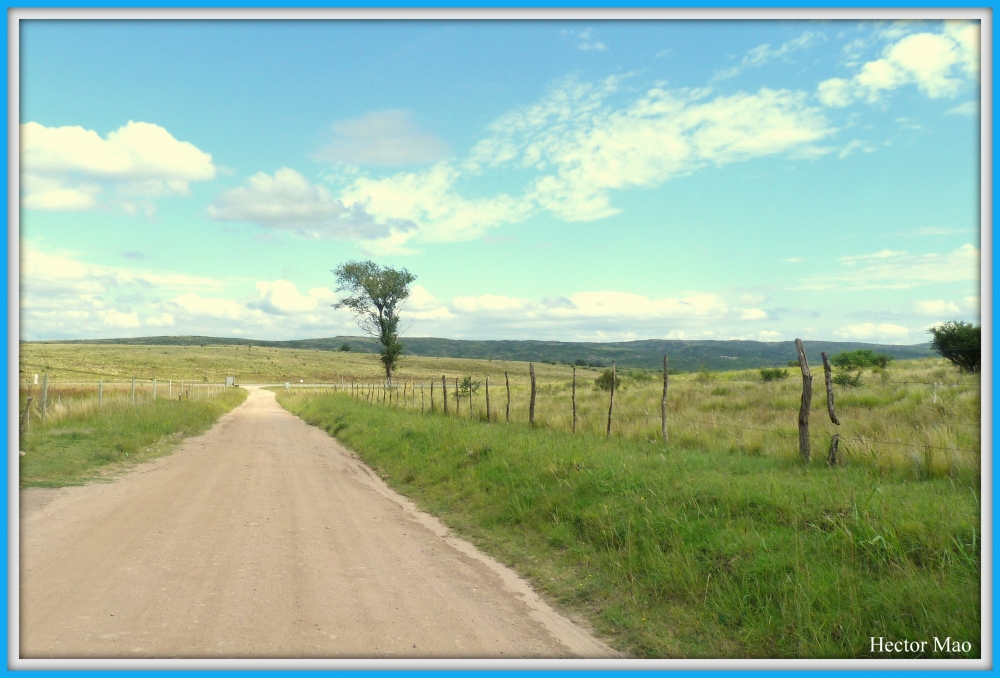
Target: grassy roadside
87, 446
675, 552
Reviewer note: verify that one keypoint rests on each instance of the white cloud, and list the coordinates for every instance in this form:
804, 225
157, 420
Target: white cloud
939, 64
281, 297
853, 145
890, 269
587, 42
970, 108
935, 307
214, 307
883, 332
115, 318
769, 335
67, 168
388, 138
762, 54
587, 148
288, 201
753, 314
163, 320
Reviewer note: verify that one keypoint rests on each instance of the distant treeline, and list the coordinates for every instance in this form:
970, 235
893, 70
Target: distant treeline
685, 356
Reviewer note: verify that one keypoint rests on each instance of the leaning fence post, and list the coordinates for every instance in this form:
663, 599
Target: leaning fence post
45, 394
531, 405
488, 419
806, 401
831, 457
663, 402
507, 379
444, 392
611, 404
574, 398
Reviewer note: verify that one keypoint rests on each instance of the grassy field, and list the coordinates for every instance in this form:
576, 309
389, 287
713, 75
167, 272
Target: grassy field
74, 445
689, 550
896, 419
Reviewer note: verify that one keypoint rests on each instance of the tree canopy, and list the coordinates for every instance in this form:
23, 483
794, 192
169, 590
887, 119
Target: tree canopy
958, 342
376, 295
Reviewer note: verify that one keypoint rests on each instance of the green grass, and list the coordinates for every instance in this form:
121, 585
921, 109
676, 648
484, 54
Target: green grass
678, 552
93, 443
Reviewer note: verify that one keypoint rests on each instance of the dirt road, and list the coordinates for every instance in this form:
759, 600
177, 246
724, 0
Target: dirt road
265, 538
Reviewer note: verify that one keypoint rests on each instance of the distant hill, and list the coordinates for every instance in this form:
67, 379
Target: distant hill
648, 353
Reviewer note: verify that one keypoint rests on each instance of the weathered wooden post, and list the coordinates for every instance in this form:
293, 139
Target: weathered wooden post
488, 418
831, 457
574, 398
100, 393
663, 402
444, 392
133, 389
170, 388
531, 404
154, 388
45, 394
507, 379
422, 397
25, 417
806, 401
611, 404
432, 395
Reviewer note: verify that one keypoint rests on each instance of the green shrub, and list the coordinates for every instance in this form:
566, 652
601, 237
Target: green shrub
959, 342
345, 347
773, 373
861, 359
603, 382
847, 379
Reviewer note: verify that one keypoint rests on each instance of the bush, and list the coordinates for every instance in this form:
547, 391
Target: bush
467, 385
847, 379
860, 359
580, 362
603, 382
346, 348
958, 342
773, 373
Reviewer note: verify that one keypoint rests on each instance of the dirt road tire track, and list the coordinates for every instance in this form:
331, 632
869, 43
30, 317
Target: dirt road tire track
266, 538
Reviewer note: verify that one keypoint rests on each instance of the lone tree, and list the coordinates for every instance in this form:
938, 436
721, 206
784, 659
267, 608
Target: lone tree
958, 342
376, 297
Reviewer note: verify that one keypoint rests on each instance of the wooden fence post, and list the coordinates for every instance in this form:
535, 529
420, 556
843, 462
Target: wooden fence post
806, 401
574, 398
100, 393
45, 394
444, 391
831, 457
432, 395
154, 388
507, 379
25, 418
422, 397
170, 388
663, 402
488, 419
611, 404
531, 404
133, 389
458, 399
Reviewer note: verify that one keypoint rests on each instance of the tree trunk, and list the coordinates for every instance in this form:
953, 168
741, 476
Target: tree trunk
827, 372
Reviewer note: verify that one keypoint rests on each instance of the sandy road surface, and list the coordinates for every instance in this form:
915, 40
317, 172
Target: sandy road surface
265, 538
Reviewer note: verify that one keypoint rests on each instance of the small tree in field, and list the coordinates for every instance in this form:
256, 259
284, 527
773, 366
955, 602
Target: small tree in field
376, 295
958, 342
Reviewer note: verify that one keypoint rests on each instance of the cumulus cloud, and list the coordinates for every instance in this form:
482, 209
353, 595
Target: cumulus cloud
587, 42
387, 138
939, 64
889, 269
883, 332
288, 201
69, 168
935, 307
282, 297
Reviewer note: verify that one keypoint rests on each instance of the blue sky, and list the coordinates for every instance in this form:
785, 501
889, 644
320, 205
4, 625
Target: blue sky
566, 180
